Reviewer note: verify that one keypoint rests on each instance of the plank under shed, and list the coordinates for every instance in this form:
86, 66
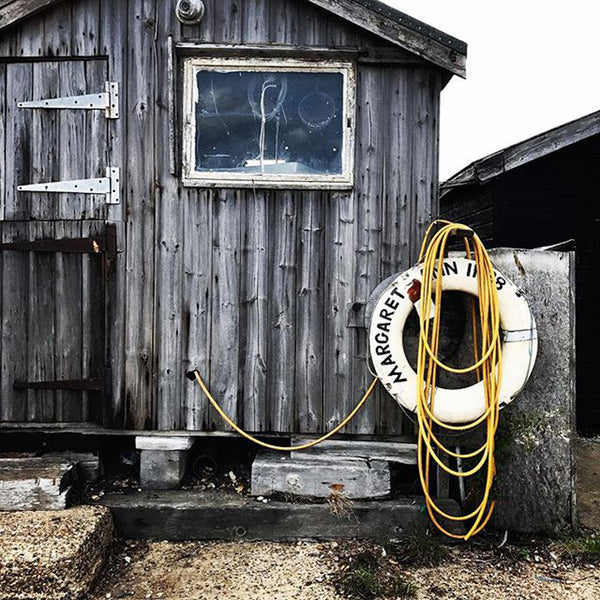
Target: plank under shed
392, 452
35, 483
318, 477
216, 515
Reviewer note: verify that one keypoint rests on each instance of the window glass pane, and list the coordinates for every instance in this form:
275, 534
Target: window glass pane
271, 122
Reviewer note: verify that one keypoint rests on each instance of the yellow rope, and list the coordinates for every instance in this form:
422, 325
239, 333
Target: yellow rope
488, 368
310, 444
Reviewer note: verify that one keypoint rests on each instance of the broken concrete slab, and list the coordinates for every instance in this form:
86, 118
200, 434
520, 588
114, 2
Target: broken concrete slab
217, 515
35, 483
52, 556
318, 477
393, 452
89, 467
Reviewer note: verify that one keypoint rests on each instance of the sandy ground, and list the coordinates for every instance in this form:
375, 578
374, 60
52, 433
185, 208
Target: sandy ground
307, 571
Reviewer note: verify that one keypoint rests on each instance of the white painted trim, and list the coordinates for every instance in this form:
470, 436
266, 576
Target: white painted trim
193, 178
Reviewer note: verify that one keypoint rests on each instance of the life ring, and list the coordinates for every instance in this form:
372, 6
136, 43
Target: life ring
388, 318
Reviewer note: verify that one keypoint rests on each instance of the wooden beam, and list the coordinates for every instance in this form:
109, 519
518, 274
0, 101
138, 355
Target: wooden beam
14, 11
193, 515
422, 45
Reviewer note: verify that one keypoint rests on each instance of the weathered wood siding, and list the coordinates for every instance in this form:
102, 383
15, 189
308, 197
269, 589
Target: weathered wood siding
263, 291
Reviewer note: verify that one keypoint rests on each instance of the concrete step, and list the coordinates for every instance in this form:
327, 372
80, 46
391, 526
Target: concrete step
52, 556
217, 515
35, 483
392, 452
319, 476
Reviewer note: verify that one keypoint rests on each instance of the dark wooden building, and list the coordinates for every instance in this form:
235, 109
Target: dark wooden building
252, 170
542, 192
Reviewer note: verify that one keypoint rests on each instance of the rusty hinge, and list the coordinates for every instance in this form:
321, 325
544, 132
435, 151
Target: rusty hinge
92, 384
104, 244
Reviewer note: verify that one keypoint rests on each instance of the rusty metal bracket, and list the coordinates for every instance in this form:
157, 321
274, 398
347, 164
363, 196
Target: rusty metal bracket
104, 244
92, 384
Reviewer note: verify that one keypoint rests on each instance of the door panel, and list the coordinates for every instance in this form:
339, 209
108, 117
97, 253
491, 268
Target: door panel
52, 323
49, 144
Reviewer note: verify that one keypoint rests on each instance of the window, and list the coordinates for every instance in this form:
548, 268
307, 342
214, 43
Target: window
268, 122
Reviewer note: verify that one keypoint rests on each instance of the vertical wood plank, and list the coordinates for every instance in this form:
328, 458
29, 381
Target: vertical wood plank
398, 209
19, 86
68, 335
41, 329
85, 28
95, 137
73, 148
371, 180
284, 22
140, 257
310, 312
228, 21
14, 362
44, 135
55, 35
197, 305
254, 310
339, 274
425, 132
256, 21
114, 24
3, 102
169, 251
114, 31
283, 220
224, 343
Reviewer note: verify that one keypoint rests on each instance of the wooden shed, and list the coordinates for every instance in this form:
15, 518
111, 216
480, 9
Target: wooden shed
543, 192
216, 185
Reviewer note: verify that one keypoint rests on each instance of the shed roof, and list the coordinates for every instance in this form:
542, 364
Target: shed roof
376, 17
517, 155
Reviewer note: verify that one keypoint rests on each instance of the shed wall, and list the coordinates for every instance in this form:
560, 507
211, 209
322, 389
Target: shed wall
262, 290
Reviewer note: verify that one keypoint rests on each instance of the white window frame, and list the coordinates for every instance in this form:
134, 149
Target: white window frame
193, 178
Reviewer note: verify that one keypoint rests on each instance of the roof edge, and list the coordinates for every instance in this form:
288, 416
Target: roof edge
417, 37
521, 153
16, 10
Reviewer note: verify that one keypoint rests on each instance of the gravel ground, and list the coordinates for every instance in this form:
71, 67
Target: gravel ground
307, 571
52, 554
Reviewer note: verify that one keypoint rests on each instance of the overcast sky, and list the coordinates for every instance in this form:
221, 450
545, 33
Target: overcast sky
531, 65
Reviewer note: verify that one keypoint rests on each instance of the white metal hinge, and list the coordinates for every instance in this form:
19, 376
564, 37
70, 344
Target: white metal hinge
109, 186
107, 101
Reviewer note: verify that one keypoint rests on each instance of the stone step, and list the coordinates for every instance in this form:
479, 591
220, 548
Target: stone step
52, 556
35, 483
319, 477
178, 515
392, 452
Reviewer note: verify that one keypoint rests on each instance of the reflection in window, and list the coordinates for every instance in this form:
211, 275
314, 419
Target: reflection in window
269, 122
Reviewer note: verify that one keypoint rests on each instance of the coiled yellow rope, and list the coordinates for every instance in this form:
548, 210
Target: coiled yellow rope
488, 368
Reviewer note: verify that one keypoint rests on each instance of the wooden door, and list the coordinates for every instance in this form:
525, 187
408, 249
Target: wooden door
54, 248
